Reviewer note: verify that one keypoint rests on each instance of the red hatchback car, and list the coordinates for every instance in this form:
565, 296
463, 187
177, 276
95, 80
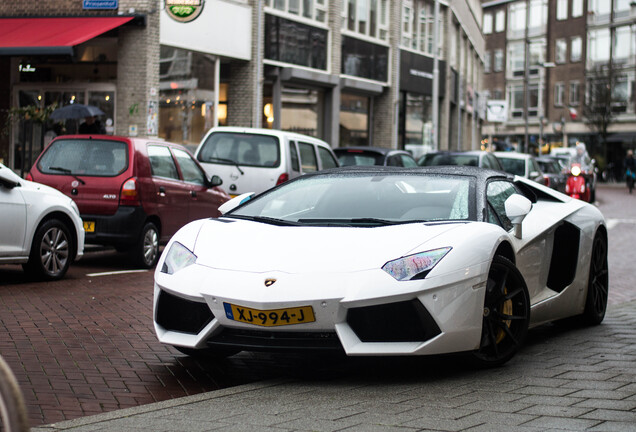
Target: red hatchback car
132, 193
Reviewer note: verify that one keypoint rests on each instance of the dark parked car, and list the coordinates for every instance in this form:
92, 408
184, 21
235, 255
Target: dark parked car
552, 172
374, 156
482, 159
132, 193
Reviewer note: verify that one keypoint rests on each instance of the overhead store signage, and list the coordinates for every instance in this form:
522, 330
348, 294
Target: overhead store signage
100, 4
497, 111
184, 10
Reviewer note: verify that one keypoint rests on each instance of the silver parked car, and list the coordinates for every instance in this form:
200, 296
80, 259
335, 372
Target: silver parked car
254, 160
40, 227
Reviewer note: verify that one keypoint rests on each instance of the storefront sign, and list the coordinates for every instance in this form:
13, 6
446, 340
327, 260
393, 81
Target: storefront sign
184, 10
100, 4
497, 111
416, 74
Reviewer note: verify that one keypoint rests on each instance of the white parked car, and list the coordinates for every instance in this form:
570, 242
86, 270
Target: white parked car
384, 261
254, 160
521, 164
40, 227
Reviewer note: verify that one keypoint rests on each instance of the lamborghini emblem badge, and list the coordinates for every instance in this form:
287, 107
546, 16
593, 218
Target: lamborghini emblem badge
269, 282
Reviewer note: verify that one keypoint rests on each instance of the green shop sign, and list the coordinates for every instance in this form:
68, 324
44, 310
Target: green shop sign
184, 10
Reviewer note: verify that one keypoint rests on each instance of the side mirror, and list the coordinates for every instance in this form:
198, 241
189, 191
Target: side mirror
534, 174
517, 208
235, 202
215, 180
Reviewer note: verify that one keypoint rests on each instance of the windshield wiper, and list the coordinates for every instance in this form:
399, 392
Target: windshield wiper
69, 172
230, 161
263, 219
350, 222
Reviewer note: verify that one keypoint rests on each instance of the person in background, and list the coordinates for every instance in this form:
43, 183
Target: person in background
91, 125
629, 163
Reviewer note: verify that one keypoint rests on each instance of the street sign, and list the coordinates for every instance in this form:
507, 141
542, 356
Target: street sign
497, 111
100, 4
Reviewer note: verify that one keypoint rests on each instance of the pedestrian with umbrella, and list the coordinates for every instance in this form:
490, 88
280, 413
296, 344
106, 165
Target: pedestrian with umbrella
76, 111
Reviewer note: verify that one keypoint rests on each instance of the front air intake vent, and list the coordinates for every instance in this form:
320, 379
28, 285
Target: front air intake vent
181, 315
407, 321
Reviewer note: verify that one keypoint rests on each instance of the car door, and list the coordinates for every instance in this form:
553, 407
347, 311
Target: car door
171, 194
13, 223
204, 202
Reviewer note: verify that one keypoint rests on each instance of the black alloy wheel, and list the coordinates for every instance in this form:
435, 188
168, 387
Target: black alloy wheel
506, 314
598, 283
51, 251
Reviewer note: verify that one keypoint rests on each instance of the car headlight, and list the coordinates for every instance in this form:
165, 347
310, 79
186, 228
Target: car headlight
178, 257
415, 266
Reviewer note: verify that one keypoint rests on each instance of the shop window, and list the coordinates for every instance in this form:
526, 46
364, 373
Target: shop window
302, 111
296, 43
354, 120
415, 121
365, 59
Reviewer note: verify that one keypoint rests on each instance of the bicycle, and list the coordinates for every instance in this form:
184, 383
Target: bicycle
13, 413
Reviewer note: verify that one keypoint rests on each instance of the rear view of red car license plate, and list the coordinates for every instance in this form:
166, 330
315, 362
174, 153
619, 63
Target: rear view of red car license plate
271, 317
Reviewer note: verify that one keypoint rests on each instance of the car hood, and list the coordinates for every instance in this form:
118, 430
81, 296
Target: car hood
258, 247
34, 187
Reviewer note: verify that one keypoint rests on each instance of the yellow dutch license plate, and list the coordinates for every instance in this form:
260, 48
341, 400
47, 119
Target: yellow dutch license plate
89, 226
271, 317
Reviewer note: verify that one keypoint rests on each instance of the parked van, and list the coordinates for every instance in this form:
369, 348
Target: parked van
254, 160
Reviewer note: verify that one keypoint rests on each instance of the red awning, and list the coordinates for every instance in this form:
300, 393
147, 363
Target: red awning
46, 36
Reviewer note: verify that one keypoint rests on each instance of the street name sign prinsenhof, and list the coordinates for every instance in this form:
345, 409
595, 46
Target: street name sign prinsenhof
497, 111
100, 4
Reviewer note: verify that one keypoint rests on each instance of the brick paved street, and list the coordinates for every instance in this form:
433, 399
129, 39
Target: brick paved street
85, 345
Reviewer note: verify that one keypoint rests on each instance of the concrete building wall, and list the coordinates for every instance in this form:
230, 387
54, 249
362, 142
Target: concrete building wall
385, 105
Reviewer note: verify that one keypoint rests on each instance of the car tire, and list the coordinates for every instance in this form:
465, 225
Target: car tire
52, 251
598, 283
208, 353
146, 252
506, 314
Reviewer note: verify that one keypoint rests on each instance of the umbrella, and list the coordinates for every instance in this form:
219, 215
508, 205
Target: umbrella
75, 111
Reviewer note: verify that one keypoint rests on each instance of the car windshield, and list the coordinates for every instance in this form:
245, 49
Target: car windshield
86, 157
240, 148
513, 166
449, 159
359, 157
363, 199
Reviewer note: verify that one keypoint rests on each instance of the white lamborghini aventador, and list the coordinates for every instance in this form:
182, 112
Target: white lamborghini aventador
384, 261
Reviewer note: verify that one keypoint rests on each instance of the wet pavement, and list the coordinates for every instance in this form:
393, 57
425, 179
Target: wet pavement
85, 345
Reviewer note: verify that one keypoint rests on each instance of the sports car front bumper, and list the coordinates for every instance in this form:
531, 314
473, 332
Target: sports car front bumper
364, 313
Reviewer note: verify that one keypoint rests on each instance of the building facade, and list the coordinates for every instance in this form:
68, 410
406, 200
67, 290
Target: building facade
352, 72
60, 52
548, 62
